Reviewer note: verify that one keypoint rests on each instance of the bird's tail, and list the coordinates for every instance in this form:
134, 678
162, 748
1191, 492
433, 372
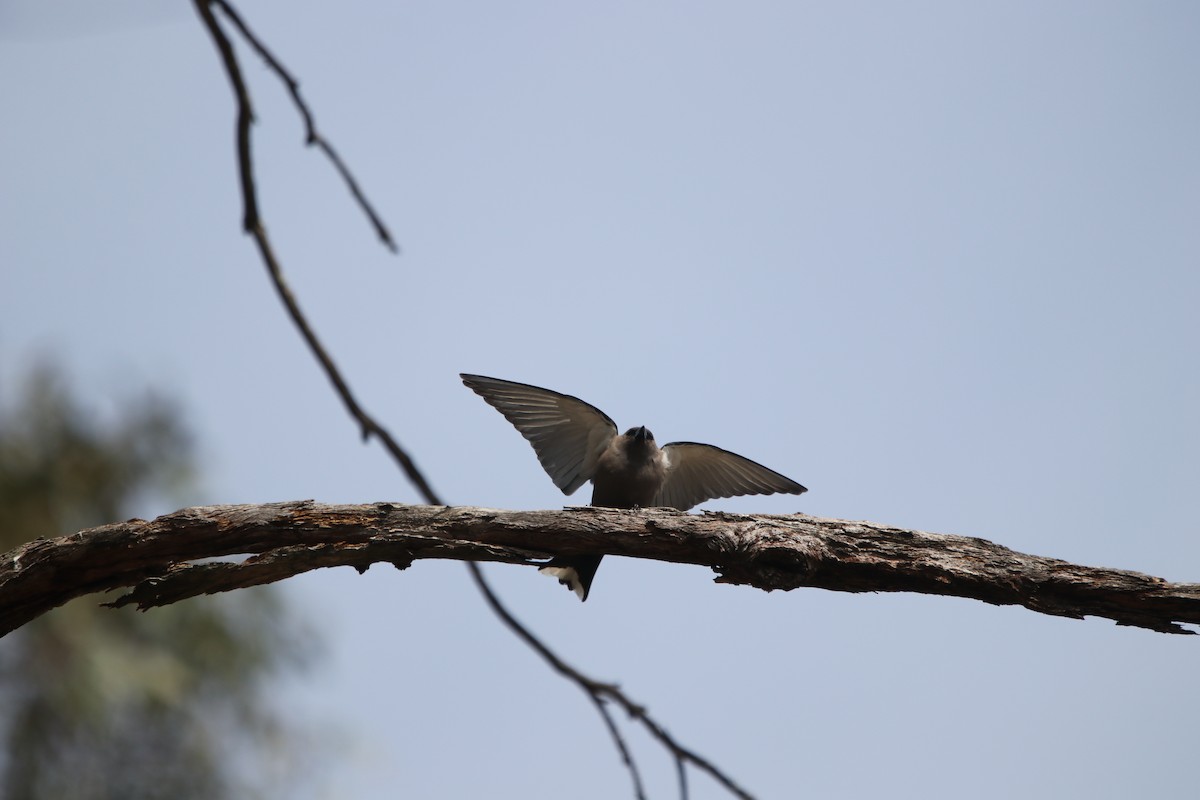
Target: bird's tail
576, 572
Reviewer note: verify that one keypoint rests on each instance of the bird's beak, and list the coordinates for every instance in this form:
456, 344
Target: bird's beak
641, 434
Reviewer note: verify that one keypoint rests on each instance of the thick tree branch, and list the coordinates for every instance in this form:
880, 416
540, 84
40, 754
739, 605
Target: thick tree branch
157, 557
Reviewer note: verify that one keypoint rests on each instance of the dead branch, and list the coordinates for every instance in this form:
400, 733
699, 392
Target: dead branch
157, 558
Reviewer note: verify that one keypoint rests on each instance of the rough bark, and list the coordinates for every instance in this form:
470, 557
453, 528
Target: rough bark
158, 558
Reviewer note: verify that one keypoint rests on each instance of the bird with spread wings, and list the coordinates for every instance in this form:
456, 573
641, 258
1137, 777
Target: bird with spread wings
577, 442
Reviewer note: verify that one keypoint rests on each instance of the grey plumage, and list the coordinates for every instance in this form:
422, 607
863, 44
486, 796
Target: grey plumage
577, 442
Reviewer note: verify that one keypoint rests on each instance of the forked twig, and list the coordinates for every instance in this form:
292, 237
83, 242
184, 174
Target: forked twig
311, 135
594, 689
607, 691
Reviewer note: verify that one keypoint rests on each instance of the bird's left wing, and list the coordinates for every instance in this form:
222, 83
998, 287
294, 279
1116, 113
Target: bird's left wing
699, 472
567, 434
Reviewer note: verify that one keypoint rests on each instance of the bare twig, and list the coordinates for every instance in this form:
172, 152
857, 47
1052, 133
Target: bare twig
312, 136
599, 692
594, 689
245, 115
252, 223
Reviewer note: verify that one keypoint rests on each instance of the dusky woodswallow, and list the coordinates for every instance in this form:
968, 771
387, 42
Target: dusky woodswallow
577, 442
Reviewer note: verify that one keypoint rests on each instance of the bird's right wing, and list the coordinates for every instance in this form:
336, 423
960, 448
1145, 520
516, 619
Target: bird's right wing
699, 472
567, 434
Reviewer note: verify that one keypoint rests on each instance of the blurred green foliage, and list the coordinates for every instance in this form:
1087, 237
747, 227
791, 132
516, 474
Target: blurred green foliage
102, 703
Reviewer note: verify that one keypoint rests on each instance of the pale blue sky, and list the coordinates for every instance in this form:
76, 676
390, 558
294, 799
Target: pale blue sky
939, 262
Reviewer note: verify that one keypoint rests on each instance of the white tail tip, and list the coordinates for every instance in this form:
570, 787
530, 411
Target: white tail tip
567, 576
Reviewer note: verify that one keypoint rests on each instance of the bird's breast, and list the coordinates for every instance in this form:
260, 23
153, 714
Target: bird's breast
625, 480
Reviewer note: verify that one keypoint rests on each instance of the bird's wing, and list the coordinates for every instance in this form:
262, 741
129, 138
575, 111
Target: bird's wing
699, 472
567, 434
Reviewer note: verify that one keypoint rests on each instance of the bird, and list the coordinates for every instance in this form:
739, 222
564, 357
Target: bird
577, 442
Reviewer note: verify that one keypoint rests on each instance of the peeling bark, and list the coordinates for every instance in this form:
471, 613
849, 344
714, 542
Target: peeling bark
157, 559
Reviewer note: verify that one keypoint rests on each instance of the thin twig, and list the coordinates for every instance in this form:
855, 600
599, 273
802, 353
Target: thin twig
626, 756
595, 690
367, 423
253, 225
245, 116
607, 690
311, 136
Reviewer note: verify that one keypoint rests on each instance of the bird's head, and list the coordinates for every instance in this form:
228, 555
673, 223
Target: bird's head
641, 435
